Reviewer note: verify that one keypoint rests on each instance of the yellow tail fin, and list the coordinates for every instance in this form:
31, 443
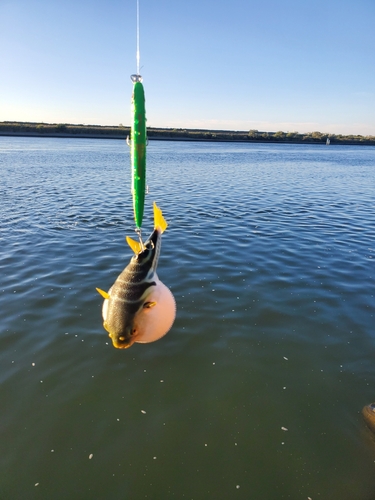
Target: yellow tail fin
159, 220
134, 245
104, 294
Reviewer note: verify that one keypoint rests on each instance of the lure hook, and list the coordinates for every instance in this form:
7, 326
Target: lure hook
139, 234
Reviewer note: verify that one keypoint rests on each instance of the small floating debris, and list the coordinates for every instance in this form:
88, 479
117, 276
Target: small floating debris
32, 364
90, 456
284, 429
36, 484
142, 411
237, 486
286, 359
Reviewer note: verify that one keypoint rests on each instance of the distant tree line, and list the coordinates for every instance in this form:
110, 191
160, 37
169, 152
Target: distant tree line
121, 132
60, 129
312, 137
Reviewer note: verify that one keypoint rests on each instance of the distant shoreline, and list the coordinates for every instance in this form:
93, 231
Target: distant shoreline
61, 130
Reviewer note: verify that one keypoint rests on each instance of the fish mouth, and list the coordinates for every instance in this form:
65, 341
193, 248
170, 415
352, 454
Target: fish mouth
121, 342
121, 346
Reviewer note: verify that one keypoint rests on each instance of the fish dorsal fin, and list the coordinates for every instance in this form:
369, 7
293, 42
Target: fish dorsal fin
104, 294
159, 220
134, 245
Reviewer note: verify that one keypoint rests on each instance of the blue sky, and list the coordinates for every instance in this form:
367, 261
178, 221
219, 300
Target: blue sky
290, 65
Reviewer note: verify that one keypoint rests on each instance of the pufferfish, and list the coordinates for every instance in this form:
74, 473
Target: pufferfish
139, 307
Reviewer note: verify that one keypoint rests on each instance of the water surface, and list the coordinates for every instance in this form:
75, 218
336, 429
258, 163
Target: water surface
257, 390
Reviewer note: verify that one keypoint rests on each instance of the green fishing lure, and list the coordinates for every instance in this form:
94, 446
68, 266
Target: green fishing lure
138, 149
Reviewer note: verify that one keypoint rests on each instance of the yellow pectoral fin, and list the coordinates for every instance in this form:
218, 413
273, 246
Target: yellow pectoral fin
159, 220
104, 294
148, 305
134, 245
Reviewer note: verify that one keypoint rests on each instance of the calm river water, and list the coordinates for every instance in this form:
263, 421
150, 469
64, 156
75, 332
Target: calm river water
257, 390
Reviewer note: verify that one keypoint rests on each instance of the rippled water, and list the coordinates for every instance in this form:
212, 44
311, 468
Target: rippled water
257, 390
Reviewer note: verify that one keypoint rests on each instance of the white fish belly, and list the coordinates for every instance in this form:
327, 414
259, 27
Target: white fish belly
154, 322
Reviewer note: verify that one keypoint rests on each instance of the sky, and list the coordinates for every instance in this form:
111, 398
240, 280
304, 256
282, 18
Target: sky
290, 65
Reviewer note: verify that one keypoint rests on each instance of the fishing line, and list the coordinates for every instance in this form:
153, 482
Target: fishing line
138, 56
